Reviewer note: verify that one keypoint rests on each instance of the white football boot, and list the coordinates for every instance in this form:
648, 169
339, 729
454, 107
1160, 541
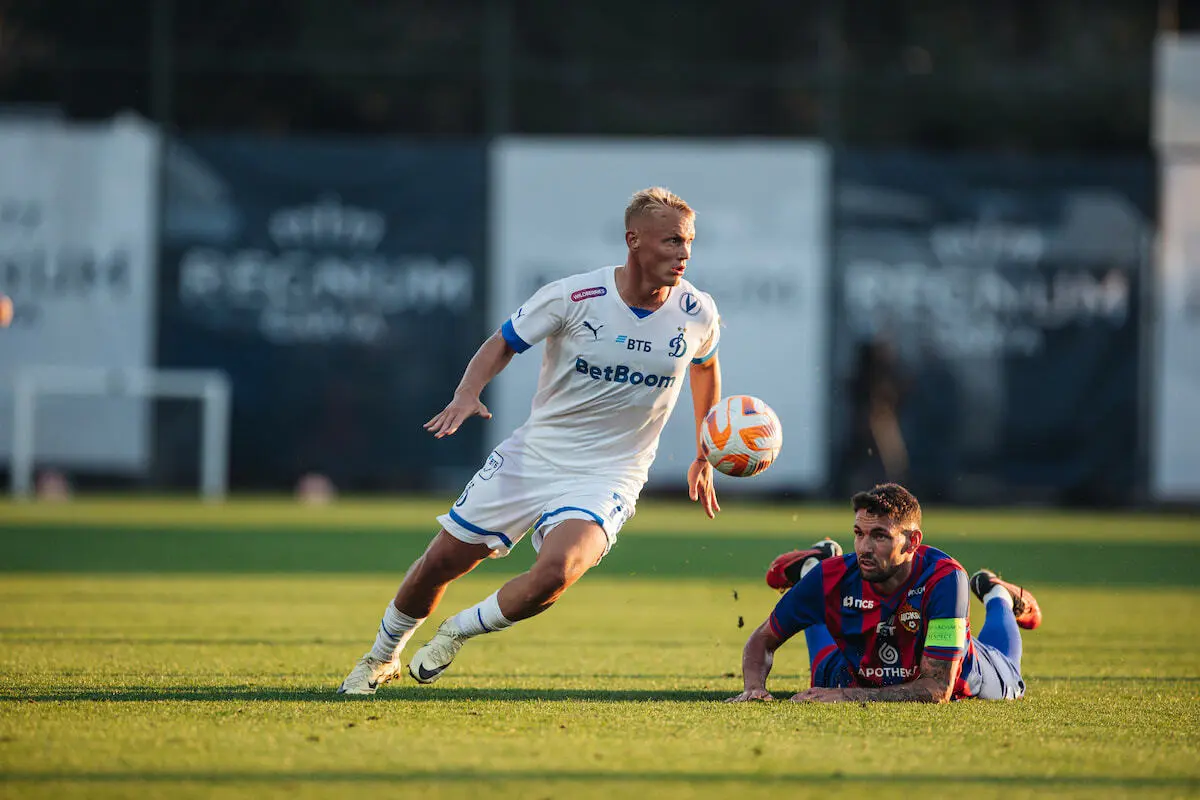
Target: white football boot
369, 674
428, 663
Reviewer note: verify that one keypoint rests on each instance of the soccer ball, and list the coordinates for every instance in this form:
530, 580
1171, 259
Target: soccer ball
741, 436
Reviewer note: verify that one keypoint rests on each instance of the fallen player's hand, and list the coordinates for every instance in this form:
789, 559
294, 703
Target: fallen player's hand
818, 694
751, 694
453, 415
700, 486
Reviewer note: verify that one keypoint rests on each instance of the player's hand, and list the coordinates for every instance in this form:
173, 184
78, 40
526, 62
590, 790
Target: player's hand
749, 695
453, 415
700, 486
818, 694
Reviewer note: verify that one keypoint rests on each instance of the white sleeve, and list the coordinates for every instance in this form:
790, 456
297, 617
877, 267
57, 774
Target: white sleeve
709, 348
540, 316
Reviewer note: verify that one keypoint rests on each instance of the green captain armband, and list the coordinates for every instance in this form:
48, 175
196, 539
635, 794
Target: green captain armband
947, 633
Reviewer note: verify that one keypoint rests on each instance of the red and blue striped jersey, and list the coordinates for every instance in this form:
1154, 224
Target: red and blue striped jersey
884, 637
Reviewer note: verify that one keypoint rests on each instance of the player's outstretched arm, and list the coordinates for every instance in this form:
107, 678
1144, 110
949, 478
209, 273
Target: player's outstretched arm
491, 357
935, 685
705, 381
757, 657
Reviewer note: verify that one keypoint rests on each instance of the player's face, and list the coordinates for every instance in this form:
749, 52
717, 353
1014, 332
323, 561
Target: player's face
882, 548
662, 242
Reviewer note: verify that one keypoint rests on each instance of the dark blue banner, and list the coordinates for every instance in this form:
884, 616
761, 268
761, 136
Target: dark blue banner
340, 284
986, 339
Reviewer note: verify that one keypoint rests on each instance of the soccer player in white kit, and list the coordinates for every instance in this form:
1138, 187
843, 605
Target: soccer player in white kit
618, 342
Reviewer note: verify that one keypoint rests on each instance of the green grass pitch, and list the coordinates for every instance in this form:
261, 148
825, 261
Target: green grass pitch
152, 648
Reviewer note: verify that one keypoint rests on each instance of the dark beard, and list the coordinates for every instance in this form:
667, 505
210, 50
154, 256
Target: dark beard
879, 577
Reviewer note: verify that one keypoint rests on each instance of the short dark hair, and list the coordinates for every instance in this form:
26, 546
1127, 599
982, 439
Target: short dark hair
893, 501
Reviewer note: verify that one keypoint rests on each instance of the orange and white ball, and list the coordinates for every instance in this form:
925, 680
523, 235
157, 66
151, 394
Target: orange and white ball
742, 436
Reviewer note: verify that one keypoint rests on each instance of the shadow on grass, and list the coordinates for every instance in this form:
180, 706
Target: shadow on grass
460, 776
12, 636
407, 694
114, 550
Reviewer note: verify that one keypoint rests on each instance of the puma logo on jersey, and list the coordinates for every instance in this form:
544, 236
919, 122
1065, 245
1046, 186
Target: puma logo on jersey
595, 329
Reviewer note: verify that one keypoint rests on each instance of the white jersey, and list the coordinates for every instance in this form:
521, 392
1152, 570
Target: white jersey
609, 379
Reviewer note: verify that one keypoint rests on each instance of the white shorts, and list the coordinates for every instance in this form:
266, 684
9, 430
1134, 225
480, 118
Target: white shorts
507, 498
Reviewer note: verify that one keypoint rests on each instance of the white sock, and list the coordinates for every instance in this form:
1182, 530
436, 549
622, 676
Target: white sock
998, 593
483, 617
394, 632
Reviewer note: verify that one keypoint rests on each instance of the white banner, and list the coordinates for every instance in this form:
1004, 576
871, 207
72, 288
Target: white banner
76, 257
1176, 91
761, 251
1175, 471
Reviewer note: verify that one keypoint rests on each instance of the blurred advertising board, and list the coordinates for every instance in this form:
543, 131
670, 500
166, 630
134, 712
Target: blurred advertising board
1176, 121
1175, 408
77, 208
993, 303
340, 284
1176, 412
760, 251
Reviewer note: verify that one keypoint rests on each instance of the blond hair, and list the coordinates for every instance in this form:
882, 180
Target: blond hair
654, 198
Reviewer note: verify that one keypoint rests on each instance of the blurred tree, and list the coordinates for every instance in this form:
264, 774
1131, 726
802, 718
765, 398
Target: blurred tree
1009, 74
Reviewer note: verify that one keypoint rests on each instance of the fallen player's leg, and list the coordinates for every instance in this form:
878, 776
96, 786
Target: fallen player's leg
998, 646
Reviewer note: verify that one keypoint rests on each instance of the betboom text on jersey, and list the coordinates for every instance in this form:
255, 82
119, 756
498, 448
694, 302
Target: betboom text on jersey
622, 373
